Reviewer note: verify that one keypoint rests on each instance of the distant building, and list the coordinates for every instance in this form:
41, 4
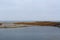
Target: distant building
7, 25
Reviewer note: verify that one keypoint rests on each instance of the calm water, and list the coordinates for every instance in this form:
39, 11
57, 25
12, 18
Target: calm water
30, 33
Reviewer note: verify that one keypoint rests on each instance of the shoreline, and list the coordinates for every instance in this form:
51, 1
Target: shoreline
27, 24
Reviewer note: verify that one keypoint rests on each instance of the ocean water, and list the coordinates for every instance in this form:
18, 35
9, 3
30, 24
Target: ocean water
30, 33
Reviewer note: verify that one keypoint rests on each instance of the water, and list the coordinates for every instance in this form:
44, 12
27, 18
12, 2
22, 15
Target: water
30, 33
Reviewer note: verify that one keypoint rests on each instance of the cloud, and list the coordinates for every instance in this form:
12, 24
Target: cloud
29, 9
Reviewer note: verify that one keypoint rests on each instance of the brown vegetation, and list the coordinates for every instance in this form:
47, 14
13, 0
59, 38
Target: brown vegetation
45, 23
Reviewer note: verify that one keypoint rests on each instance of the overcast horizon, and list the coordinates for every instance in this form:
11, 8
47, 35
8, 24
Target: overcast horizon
30, 10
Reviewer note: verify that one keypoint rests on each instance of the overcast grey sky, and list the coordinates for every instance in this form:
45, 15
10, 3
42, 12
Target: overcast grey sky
30, 10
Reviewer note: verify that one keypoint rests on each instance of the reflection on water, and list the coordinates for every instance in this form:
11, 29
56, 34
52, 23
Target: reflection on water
30, 33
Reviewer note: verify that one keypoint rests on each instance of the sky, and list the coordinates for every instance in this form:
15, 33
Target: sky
34, 10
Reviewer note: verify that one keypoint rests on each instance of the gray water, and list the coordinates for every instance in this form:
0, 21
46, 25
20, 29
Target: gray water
30, 33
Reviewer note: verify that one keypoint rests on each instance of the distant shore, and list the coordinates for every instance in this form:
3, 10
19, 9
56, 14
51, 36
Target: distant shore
41, 23
27, 24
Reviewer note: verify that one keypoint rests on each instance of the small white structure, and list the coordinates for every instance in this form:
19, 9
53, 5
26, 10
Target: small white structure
11, 25
8, 25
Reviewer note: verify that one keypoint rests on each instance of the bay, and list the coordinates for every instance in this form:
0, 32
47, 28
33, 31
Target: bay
30, 33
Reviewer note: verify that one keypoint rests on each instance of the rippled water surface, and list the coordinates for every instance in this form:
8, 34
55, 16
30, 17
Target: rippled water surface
30, 33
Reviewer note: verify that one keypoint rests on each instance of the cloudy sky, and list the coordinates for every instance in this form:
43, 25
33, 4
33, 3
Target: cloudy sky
30, 10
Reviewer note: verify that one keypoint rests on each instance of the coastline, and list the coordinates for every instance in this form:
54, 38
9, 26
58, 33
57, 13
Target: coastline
27, 24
